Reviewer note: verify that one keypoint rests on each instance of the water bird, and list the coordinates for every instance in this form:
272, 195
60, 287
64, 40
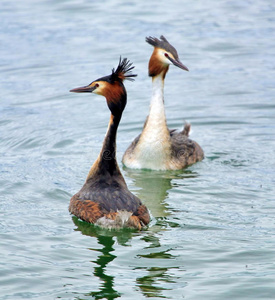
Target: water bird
157, 147
105, 199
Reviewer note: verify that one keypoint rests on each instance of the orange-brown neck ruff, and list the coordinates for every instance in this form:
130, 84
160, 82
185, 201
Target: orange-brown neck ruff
113, 92
116, 97
156, 67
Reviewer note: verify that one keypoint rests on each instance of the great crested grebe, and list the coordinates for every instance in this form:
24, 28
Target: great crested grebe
104, 198
157, 147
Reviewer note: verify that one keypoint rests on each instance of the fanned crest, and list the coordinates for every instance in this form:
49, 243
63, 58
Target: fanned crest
163, 44
123, 71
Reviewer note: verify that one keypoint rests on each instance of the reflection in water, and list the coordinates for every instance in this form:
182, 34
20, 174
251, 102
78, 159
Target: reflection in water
148, 284
158, 263
154, 258
106, 239
153, 187
107, 289
123, 235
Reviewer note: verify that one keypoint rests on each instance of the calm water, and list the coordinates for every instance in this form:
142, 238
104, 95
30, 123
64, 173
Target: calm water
213, 230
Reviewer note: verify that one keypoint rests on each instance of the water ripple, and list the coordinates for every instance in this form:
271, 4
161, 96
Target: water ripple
212, 229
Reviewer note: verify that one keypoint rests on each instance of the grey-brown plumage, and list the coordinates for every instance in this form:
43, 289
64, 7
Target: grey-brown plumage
184, 151
105, 202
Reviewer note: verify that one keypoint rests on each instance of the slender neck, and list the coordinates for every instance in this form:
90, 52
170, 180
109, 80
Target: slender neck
108, 152
157, 110
106, 163
107, 157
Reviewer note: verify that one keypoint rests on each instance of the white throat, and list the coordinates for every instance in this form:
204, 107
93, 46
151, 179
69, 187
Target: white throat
154, 147
157, 111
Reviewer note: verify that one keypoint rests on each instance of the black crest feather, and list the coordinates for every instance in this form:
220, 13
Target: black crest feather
123, 71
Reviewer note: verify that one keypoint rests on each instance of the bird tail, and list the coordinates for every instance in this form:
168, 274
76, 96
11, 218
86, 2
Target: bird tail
186, 129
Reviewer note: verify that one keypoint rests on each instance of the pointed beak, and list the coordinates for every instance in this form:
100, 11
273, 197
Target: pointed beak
84, 89
178, 63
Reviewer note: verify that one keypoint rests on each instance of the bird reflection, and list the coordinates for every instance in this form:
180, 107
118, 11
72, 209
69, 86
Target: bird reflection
122, 235
155, 259
153, 187
106, 239
148, 284
107, 289
158, 264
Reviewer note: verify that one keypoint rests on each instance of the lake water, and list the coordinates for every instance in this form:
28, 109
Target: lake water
213, 230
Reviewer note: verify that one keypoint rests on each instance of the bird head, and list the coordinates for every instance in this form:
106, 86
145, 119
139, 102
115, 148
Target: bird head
164, 54
111, 86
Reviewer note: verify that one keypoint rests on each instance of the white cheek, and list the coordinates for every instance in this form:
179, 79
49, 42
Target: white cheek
163, 58
99, 90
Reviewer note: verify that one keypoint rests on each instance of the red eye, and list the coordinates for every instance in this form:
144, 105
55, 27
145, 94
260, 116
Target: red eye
96, 85
166, 54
